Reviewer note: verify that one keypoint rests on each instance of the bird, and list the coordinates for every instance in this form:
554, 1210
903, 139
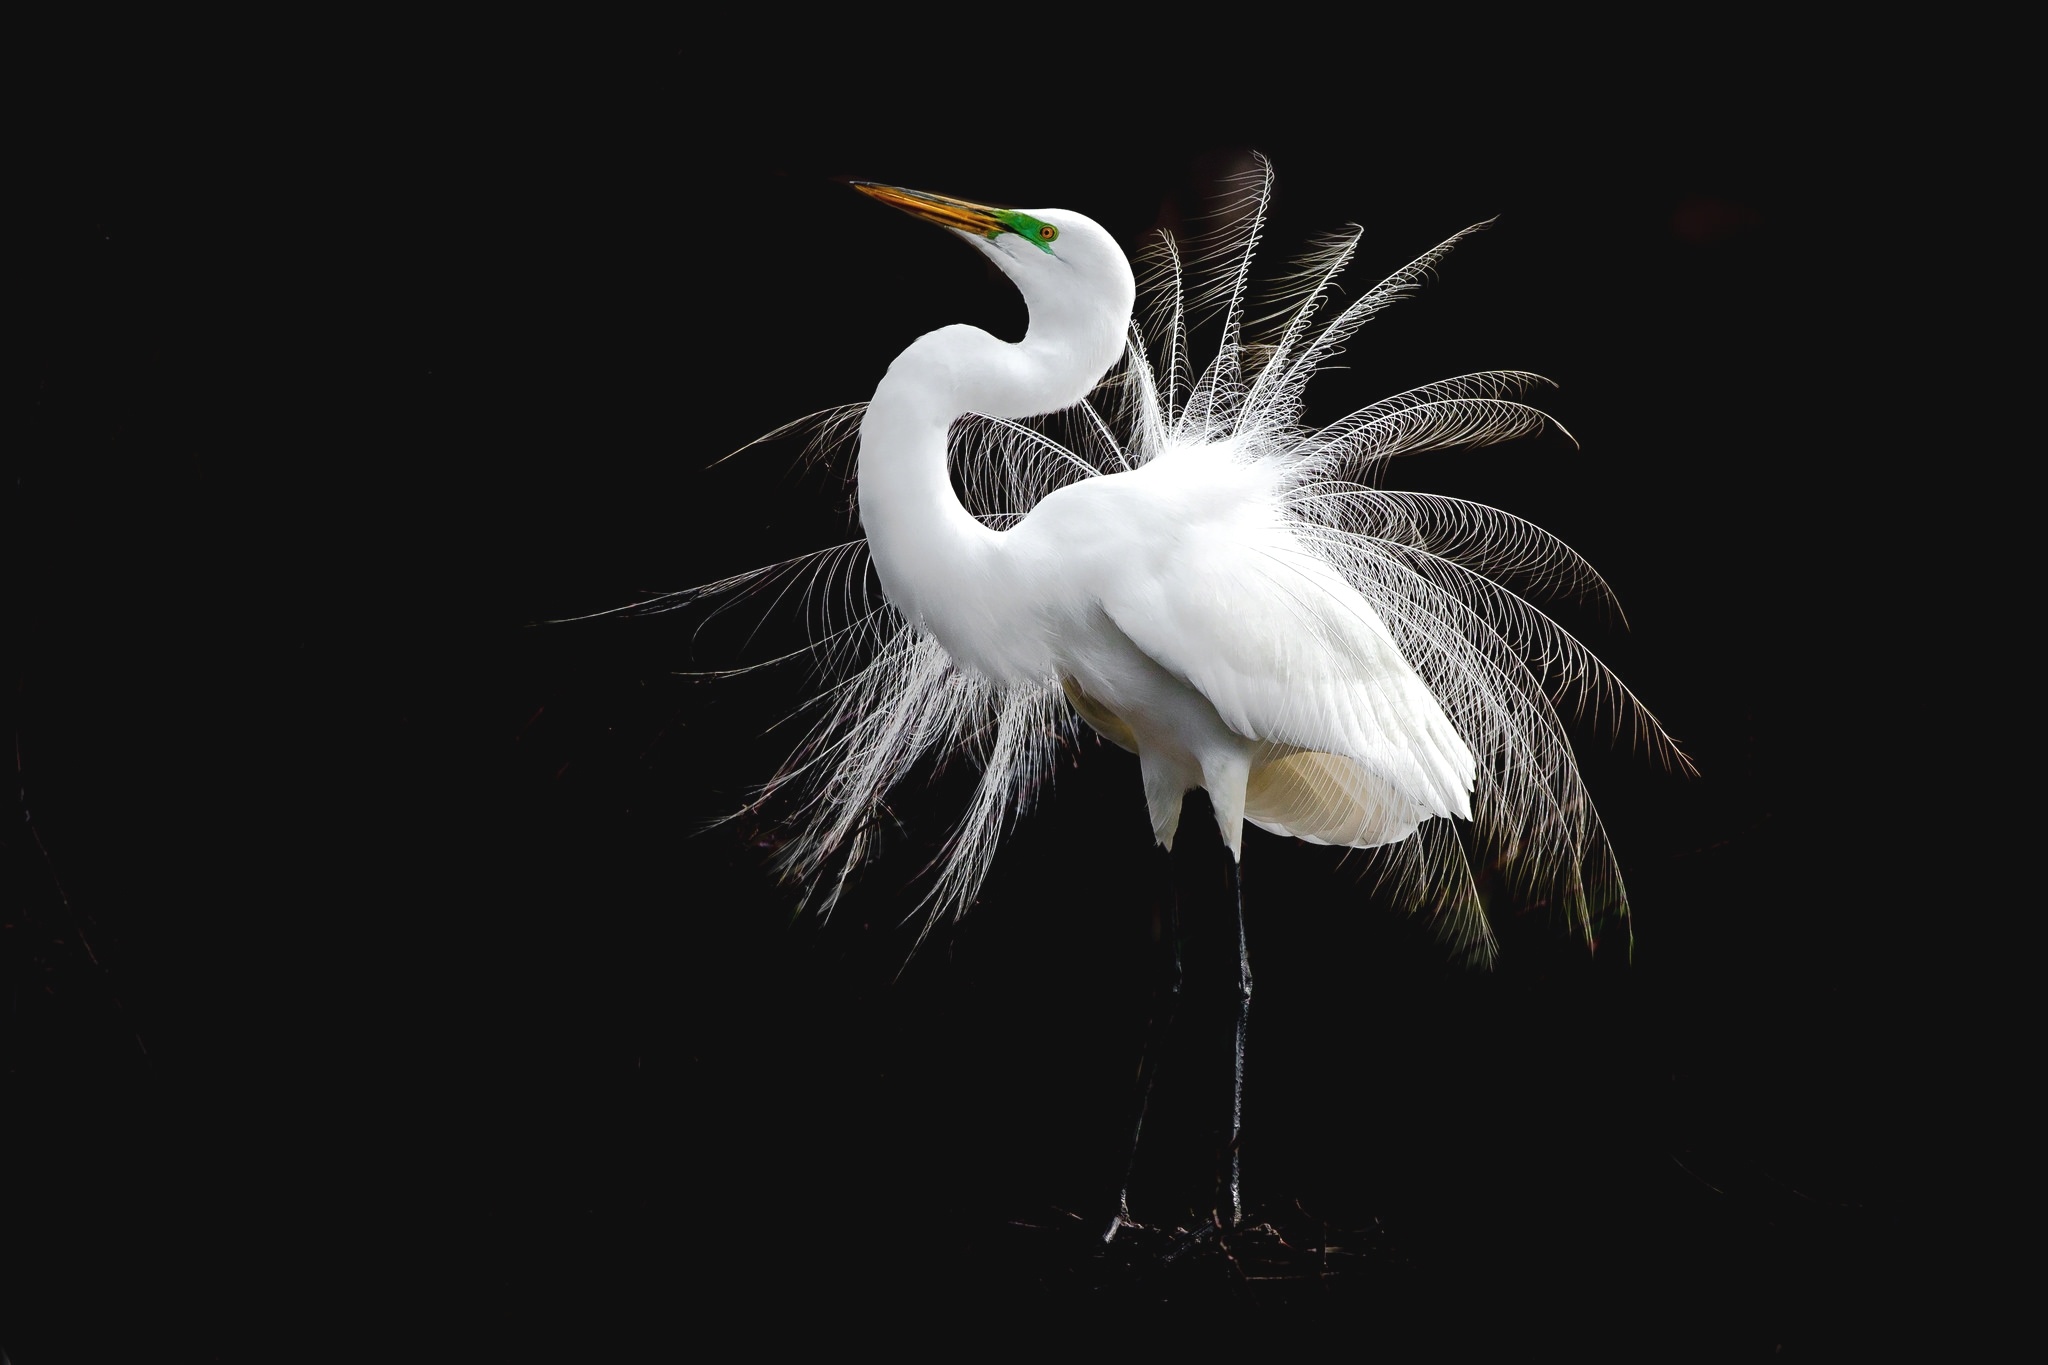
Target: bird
1082, 531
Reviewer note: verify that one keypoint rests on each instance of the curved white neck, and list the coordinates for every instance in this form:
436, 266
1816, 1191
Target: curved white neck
938, 565
935, 560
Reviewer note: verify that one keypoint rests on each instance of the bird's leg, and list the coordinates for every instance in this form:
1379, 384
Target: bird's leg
1165, 1003
1233, 1205
1206, 882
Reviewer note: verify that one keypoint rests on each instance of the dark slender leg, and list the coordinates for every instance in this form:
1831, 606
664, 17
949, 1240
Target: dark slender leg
1206, 890
1233, 1204
1207, 886
1165, 1003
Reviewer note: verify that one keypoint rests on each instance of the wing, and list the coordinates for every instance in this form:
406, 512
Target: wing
1291, 655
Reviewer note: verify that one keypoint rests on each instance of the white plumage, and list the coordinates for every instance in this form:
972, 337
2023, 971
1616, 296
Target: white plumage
1198, 576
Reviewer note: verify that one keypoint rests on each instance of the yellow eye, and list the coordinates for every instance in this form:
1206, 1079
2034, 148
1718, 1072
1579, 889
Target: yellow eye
1048, 233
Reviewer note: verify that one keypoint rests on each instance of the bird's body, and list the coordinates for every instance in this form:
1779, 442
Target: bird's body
1187, 624
1173, 602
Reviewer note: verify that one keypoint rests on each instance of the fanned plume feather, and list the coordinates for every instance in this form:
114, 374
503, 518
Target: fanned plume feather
1452, 579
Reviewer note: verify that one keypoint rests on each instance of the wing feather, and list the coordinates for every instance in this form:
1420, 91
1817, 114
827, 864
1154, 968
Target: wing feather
1278, 642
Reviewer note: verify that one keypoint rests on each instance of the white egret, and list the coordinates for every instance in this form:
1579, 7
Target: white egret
1176, 559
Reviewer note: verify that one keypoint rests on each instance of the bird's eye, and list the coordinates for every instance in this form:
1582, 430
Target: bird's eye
1048, 233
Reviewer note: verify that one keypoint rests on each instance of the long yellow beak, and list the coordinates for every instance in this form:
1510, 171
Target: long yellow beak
979, 219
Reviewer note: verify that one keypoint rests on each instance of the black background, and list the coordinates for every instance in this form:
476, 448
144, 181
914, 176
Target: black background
372, 978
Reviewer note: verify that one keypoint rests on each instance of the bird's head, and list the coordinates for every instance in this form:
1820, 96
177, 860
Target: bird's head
1074, 277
